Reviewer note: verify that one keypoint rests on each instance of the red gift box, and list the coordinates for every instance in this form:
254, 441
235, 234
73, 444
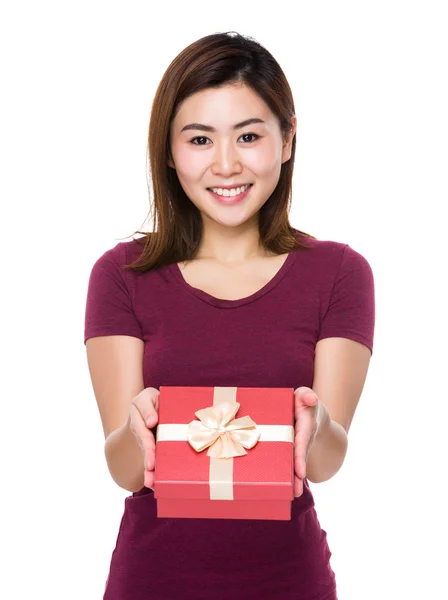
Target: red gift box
225, 453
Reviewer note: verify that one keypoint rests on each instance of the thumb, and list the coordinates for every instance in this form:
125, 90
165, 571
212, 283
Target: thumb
309, 397
306, 395
152, 420
312, 398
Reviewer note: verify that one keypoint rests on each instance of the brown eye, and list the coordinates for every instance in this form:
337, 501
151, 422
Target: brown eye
251, 135
199, 138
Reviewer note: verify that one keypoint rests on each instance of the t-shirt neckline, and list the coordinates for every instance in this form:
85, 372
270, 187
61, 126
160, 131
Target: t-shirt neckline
224, 303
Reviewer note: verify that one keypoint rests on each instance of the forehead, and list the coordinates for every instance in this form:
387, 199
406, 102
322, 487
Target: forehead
222, 107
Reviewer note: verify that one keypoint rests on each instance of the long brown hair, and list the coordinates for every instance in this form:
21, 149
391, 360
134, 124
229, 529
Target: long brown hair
211, 62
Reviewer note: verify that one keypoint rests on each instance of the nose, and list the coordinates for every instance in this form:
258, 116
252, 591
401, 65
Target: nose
226, 160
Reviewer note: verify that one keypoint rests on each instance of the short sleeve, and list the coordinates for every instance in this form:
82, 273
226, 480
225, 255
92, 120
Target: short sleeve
109, 307
351, 310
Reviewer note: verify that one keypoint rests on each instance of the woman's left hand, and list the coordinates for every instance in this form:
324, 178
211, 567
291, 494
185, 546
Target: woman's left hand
307, 408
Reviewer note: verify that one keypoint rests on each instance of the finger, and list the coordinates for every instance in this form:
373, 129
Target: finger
298, 487
151, 418
137, 417
303, 398
149, 479
145, 436
147, 402
307, 420
149, 447
150, 412
299, 457
155, 398
311, 399
149, 471
302, 441
299, 465
145, 418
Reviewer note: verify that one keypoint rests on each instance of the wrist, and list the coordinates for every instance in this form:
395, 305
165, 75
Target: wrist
328, 449
125, 458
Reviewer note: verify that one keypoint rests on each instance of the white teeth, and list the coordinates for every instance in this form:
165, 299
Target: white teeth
232, 192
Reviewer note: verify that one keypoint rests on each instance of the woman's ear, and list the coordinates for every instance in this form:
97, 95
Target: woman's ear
170, 160
287, 144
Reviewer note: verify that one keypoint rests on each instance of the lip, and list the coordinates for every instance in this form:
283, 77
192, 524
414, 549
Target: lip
230, 199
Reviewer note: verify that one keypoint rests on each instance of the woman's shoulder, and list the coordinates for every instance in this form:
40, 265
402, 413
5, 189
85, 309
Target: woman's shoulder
125, 251
321, 246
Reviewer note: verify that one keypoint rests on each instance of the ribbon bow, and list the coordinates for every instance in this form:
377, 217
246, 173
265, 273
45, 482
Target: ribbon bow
219, 431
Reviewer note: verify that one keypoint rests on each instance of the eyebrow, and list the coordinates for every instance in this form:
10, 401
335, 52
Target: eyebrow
213, 130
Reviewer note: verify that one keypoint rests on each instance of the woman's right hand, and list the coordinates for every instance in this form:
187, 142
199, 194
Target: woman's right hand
143, 415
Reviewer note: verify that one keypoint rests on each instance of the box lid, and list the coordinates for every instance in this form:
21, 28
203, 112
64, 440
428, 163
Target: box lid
266, 472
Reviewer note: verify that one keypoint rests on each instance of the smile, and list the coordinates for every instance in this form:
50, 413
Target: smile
230, 196
230, 192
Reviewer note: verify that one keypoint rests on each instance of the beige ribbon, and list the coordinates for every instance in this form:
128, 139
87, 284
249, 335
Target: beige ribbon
225, 436
221, 433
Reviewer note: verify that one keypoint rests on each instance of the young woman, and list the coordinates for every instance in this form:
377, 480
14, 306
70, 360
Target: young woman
225, 292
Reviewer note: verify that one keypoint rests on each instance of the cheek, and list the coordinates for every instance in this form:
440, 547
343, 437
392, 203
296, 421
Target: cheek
264, 161
189, 164
265, 168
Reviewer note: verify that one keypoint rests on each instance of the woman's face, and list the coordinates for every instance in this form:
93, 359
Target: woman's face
208, 151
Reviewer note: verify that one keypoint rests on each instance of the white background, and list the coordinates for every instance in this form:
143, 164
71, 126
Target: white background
370, 87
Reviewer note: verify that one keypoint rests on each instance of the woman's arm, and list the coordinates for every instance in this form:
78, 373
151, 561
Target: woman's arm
328, 451
125, 458
340, 371
115, 365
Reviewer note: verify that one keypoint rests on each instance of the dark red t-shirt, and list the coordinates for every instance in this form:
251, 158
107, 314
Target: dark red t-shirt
264, 340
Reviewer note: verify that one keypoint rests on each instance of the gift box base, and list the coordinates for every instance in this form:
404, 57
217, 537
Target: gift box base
277, 510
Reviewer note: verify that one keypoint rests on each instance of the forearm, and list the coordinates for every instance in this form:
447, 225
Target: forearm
328, 450
125, 459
